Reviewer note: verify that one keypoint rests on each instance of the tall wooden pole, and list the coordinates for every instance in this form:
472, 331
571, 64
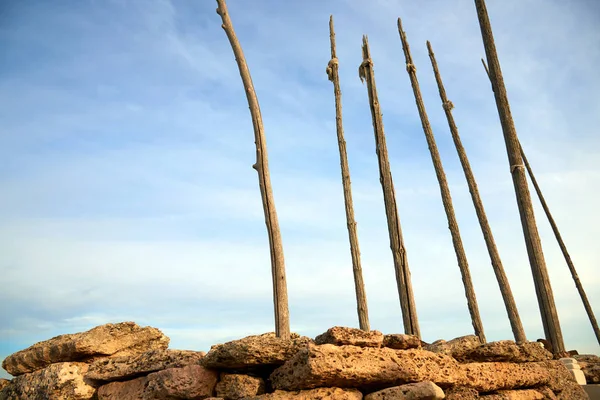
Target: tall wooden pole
359, 286
507, 296
403, 280
280, 297
541, 279
445, 191
563, 248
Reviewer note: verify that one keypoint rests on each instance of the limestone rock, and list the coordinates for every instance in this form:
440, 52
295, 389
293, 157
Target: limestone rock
130, 390
401, 342
57, 381
412, 391
126, 338
237, 386
253, 351
364, 367
456, 348
341, 336
121, 368
509, 351
590, 365
320, 393
3, 383
189, 382
526, 394
492, 376
572, 391
461, 393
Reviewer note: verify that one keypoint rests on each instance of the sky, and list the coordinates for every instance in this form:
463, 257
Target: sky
127, 145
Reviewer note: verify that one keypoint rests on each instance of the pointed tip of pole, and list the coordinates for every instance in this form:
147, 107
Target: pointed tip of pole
429, 47
365, 40
330, 18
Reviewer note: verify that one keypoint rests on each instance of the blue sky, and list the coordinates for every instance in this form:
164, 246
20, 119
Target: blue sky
127, 145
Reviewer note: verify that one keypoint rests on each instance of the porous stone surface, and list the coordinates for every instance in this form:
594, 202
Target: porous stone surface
526, 394
57, 381
121, 368
509, 351
363, 367
487, 377
239, 386
341, 336
411, 391
3, 383
189, 382
456, 348
590, 365
312, 394
122, 339
400, 341
252, 351
461, 393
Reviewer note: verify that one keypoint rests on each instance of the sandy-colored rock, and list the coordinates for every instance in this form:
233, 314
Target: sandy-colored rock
253, 351
492, 376
526, 394
400, 341
3, 383
461, 393
122, 339
572, 391
313, 394
189, 382
364, 367
456, 348
341, 336
130, 390
60, 381
121, 368
590, 365
238, 386
509, 351
412, 391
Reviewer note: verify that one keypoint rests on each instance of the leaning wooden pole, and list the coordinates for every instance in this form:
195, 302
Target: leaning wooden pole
563, 248
445, 191
505, 290
541, 279
280, 297
403, 280
361, 297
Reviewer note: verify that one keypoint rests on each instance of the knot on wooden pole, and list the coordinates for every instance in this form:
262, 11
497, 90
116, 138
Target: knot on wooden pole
411, 68
448, 105
513, 168
329, 69
362, 70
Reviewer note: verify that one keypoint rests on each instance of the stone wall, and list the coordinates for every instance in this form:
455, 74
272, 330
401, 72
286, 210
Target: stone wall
124, 361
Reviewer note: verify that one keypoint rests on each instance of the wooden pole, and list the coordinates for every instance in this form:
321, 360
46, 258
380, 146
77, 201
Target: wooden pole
445, 191
541, 279
280, 297
507, 296
563, 248
403, 280
359, 286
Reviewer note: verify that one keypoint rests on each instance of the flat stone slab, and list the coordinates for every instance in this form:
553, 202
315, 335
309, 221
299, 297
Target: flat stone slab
364, 367
120, 339
411, 391
122, 368
509, 351
400, 341
254, 351
189, 382
57, 381
456, 348
526, 394
320, 393
341, 336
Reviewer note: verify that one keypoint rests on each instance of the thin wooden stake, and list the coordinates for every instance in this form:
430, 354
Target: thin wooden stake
537, 262
361, 297
280, 297
403, 279
505, 290
445, 191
